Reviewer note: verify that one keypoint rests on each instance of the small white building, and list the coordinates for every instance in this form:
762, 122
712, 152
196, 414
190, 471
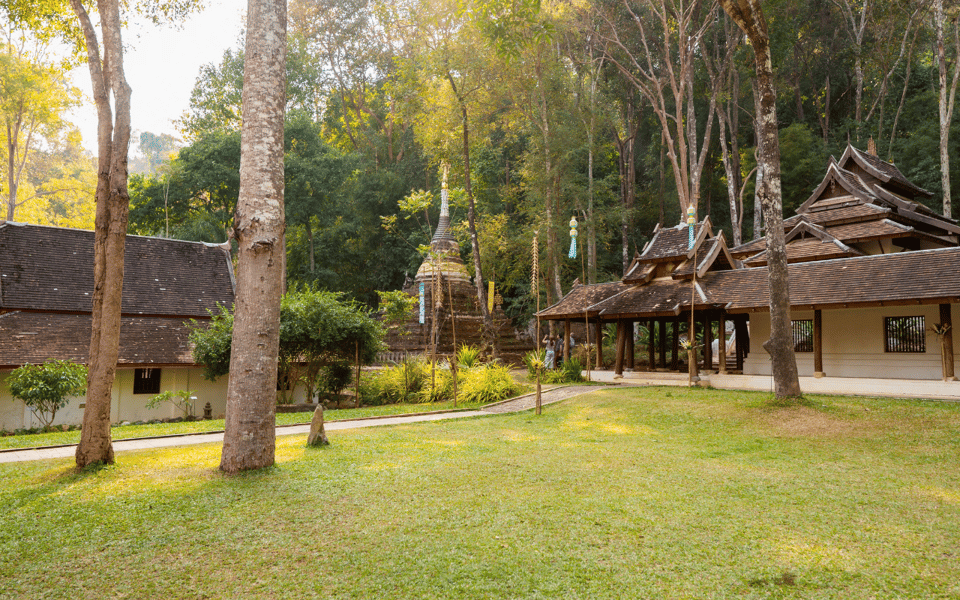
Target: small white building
46, 285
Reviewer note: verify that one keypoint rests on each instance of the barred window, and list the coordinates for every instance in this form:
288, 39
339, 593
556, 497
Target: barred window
146, 381
904, 334
802, 336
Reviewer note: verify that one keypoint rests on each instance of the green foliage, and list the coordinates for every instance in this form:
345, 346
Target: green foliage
334, 378
44, 388
211, 342
397, 308
182, 400
535, 361
468, 356
490, 382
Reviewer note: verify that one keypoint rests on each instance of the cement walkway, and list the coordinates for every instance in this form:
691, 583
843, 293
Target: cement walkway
521, 403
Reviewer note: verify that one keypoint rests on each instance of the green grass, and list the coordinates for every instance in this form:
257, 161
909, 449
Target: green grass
625, 493
126, 432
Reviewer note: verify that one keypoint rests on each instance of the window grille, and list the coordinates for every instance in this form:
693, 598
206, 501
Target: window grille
904, 334
802, 336
146, 381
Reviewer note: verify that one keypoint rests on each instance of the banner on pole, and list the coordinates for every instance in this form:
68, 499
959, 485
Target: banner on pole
423, 305
490, 295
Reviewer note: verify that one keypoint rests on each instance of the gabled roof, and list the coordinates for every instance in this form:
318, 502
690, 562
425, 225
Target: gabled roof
671, 243
712, 255
50, 269
857, 190
881, 169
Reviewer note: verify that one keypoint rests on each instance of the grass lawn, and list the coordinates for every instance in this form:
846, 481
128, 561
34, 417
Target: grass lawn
623, 493
56, 438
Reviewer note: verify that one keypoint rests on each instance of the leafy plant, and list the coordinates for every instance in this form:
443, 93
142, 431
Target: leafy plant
535, 361
334, 378
44, 388
569, 372
181, 399
468, 356
490, 383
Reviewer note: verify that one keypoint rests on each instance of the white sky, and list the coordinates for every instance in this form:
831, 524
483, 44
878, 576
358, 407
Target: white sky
162, 64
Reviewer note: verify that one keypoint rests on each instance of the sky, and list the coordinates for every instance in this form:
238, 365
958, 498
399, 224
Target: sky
162, 64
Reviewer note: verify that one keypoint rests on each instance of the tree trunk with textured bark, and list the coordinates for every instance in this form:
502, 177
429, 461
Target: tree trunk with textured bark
249, 430
749, 16
113, 138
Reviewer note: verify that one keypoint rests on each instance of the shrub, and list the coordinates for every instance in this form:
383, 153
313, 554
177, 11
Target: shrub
490, 383
535, 361
334, 378
44, 388
468, 356
569, 372
181, 399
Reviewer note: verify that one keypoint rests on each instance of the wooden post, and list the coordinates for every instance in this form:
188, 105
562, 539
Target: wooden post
356, 403
707, 342
722, 331
675, 364
743, 340
946, 342
566, 340
662, 339
651, 346
599, 340
621, 344
818, 343
629, 330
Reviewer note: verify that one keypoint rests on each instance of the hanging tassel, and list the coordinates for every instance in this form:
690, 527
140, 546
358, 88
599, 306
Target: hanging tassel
573, 247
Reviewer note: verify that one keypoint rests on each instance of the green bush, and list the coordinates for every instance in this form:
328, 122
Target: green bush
334, 378
489, 383
468, 356
44, 388
181, 399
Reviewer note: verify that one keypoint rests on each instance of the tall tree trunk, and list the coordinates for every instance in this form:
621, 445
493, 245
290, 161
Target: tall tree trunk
249, 430
113, 138
946, 94
488, 334
749, 16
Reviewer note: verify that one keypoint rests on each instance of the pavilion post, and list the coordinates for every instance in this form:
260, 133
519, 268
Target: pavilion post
946, 342
651, 345
621, 343
662, 340
599, 341
722, 346
628, 333
675, 361
818, 343
566, 340
707, 342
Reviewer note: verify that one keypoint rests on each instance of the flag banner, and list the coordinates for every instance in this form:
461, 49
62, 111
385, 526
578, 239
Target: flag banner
423, 305
490, 295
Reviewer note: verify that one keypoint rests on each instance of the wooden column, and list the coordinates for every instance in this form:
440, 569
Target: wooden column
743, 340
946, 342
722, 332
818, 343
566, 340
598, 330
621, 347
707, 342
662, 339
651, 345
628, 329
675, 362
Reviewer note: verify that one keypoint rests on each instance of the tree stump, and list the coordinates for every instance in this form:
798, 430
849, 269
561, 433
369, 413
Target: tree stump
317, 435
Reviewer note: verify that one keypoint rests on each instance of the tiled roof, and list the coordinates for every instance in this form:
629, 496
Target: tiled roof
803, 250
920, 276
32, 338
572, 305
669, 243
858, 212
659, 297
51, 269
869, 230
890, 172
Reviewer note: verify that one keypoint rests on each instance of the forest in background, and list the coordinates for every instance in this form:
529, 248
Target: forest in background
621, 112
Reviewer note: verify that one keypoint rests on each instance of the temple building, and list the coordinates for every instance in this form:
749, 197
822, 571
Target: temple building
448, 312
874, 281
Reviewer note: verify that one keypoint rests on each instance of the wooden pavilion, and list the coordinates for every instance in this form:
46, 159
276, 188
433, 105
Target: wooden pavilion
873, 274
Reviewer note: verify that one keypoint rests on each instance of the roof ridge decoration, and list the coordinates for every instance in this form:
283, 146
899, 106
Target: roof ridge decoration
884, 171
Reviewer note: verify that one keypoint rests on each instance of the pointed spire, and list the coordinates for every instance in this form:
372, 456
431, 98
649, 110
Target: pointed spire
443, 225
871, 147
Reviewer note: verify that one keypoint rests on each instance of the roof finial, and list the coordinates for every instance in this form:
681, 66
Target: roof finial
871, 147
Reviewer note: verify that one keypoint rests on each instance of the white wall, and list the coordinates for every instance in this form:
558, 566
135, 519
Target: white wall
853, 344
126, 406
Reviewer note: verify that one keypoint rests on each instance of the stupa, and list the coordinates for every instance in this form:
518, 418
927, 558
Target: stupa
448, 306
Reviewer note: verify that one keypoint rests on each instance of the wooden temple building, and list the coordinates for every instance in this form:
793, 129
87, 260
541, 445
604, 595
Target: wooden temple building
874, 281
